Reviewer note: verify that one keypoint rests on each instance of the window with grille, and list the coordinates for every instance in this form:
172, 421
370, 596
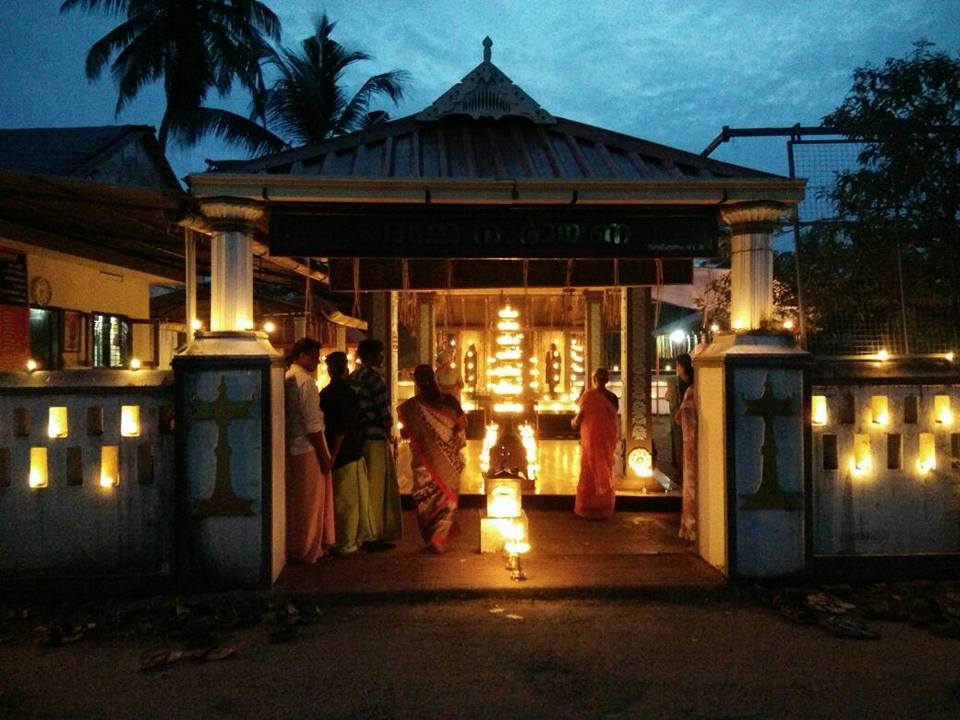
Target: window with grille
111, 340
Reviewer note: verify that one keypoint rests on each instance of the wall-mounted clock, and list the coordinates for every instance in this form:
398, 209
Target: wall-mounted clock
41, 291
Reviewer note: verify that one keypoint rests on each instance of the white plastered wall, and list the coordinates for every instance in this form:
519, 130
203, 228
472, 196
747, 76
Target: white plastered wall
91, 286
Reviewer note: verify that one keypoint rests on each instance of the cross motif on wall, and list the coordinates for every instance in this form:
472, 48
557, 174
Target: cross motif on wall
769, 495
222, 411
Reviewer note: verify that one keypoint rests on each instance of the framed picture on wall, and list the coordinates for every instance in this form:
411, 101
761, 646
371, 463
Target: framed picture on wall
72, 330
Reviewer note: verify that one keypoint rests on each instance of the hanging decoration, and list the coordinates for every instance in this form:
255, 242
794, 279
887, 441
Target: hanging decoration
576, 365
505, 373
552, 368
470, 368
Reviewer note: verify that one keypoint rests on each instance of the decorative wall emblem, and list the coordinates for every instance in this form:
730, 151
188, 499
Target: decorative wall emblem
769, 495
222, 411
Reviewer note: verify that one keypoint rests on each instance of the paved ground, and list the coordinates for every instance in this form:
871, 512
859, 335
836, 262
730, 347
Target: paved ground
633, 553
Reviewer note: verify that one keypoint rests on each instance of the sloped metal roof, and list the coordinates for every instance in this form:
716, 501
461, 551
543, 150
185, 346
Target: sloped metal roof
78, 152
487, 127
459, 146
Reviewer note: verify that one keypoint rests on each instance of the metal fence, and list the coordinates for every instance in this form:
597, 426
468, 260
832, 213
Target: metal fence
903, 317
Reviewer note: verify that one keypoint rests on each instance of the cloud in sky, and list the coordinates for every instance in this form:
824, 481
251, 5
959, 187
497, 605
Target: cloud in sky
670, 72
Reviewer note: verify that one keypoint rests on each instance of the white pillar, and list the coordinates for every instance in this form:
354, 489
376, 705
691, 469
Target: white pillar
190, 281
383, 325
751, 261
231, 262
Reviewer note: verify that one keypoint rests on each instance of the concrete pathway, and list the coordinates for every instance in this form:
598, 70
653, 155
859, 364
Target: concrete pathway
632, 554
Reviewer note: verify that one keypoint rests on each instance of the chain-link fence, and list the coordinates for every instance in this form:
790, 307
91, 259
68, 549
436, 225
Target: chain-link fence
882, 300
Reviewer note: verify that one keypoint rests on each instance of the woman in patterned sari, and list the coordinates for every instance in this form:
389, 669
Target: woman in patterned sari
435, 425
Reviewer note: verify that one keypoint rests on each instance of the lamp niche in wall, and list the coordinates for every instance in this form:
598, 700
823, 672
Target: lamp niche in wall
879, 410
57, 422
942, 412
927, 455
109, 466
130, 421
818, 410
38, 467
861, 461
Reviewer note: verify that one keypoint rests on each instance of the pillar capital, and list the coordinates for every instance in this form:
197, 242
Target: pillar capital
227, 214
754, 217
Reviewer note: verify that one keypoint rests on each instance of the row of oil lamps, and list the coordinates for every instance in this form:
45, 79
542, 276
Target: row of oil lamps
861, 460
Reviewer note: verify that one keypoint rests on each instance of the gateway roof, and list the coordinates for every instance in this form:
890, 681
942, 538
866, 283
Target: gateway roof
486, 127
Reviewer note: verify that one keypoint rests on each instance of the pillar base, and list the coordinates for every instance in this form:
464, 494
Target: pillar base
752, 394
230, 459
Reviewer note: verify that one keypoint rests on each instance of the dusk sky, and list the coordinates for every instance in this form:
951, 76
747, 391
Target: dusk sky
671, 72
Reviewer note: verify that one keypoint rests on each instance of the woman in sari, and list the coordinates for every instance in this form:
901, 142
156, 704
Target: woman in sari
686, 417
435, 425
599, 433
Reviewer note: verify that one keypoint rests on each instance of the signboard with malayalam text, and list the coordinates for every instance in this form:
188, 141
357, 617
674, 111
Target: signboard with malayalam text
493, 232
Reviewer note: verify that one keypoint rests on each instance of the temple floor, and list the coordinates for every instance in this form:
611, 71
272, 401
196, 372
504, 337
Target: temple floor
559, 468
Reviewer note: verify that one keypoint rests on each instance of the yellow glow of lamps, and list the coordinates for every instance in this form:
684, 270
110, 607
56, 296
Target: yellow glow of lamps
503, 498
31, 365
927, 457
109, 466
269, 327
879, 410
134, 364
714, 328
130, 421
818, 411
517, 540
942, 411
196, 324
861, 461
57, 422
641, 462
38, 467
882, 355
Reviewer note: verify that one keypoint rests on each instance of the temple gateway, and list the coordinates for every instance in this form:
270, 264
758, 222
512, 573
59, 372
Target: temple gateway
484, 212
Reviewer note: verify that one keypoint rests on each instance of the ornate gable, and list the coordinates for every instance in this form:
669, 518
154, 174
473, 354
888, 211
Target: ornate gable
486, 92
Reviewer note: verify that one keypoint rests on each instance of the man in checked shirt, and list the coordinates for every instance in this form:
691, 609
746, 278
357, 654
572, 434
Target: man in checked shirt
377, 424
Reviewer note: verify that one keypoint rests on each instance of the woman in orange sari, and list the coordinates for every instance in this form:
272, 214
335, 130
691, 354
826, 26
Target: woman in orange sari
599, 433
435, 425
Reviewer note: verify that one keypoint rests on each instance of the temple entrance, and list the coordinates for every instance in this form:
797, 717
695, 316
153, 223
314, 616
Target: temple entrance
520, 355
485, 203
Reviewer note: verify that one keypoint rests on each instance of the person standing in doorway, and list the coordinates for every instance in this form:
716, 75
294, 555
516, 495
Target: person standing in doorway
435, 425
351, 499
376, 423
599, 433
686, 418
448, 374
310, 521
675, 393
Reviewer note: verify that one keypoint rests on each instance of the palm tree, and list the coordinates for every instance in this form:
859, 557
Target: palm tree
308, 103
194, 46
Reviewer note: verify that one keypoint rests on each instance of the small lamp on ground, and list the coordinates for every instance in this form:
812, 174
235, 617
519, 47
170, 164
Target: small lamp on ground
516, 545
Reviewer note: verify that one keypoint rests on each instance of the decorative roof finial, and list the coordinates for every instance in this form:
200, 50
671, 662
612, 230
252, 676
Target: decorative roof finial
487, 44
